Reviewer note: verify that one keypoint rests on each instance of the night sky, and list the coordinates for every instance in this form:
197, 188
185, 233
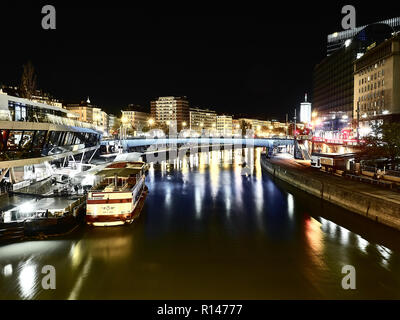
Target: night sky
243, 59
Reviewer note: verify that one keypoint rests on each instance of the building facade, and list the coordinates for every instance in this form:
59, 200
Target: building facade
112, 120
333, 79
256, 124
337, 40
305, 111
171, 111
86, 112
377, 84
135, 119
202, 119
225, 125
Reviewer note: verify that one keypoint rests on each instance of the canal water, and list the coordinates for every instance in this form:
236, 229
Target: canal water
211, 229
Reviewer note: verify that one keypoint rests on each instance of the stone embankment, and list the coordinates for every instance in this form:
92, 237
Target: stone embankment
378, 204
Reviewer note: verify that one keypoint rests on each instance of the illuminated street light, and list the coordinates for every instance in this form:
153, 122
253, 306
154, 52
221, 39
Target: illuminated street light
150, 122
315, 114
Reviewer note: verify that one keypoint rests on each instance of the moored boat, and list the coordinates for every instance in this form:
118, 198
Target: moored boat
119, 196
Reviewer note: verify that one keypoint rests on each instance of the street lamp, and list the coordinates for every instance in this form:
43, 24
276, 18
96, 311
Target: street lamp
314, 114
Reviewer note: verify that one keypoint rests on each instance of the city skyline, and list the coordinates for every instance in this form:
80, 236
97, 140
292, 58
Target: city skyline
234, 64
199, 155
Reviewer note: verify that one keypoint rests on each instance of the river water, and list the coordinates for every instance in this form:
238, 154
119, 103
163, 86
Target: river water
213, 230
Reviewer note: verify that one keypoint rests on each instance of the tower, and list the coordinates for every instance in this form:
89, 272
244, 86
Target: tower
305, 111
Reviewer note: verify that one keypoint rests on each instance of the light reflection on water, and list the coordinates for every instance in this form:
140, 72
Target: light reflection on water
211, 231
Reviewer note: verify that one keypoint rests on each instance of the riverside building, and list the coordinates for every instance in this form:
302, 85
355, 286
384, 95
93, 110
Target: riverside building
172, 112
202, 119
86, 112
333, 81
225, 125
135, 117
377, 85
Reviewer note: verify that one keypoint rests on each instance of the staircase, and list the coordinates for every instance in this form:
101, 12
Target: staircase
302, 151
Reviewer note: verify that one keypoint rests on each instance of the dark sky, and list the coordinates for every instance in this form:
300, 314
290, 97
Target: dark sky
256, 60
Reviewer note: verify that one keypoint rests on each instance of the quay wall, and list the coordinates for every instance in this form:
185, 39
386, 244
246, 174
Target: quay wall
381, 210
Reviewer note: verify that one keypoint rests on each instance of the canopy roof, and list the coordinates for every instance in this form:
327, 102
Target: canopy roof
120, 172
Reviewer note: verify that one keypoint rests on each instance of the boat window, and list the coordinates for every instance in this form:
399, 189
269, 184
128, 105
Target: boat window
20, 113
14, 140
38, 140
54, 137
27, 139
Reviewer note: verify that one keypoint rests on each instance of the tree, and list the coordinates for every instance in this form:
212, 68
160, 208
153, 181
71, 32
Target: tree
162, 126
28, 81
245, 126
383, 142
146, 129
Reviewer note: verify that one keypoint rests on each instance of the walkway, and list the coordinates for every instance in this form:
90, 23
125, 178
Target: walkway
304, 167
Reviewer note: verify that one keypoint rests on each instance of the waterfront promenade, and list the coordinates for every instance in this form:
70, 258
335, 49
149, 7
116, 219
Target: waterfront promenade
374, 202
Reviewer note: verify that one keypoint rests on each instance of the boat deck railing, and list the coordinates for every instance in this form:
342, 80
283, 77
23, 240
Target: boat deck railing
50, 118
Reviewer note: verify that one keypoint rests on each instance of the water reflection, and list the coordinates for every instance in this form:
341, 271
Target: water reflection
209, 231
28, 279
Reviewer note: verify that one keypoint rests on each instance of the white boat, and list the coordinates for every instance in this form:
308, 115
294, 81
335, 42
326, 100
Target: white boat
119, 196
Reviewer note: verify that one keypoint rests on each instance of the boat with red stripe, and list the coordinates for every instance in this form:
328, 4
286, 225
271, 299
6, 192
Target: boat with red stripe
118, 196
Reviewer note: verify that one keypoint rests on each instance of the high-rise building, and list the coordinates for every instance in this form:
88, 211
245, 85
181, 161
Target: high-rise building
377, 84
202, 119
333, 78
305, 111
171, 111
337, 40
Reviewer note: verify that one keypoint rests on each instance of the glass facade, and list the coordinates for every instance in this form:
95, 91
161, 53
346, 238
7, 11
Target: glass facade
29, 113
333, 78
21, 144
